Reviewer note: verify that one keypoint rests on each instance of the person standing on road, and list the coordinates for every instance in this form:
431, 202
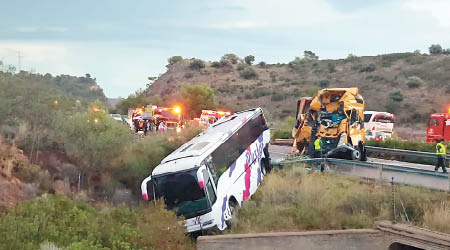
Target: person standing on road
441, 151
318, 148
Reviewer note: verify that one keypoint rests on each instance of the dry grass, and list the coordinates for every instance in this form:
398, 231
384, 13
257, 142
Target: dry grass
438, 217
294, 200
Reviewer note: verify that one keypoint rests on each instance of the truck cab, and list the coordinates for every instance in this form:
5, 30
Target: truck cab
438, 127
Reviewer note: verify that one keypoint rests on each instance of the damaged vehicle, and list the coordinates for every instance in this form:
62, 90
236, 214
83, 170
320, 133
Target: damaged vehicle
336, 116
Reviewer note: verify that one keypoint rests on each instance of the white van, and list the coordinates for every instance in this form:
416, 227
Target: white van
378, 125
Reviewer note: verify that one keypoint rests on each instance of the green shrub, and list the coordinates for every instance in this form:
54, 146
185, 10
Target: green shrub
77, 225
276, 97
174, 59
241, 66
368, 68
248, 73
188, 75
414, 82
262, 64
216, 64
396, 96
324, 83
282, 134
197, 64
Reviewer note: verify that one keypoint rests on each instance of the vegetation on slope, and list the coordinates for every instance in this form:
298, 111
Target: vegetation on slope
392, 82
60, 222
292, 200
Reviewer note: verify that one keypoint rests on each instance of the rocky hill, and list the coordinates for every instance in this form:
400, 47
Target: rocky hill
411, 85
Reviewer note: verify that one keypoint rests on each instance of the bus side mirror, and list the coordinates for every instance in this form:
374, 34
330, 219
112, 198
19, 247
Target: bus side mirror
144, 188
201, 178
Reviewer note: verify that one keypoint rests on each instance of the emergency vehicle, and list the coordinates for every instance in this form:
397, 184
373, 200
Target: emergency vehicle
438, 127
211, 116
172, 117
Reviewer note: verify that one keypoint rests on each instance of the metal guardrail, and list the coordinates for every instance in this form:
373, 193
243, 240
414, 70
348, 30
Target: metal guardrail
403, 152
376, 165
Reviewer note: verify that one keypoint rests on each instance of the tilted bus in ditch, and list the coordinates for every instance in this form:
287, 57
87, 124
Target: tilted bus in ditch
208, 177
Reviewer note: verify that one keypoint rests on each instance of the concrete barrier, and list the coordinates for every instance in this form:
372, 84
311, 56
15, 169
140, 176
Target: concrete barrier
356, 239
386, 236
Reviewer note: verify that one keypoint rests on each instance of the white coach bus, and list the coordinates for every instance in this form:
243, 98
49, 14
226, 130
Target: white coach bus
208, 177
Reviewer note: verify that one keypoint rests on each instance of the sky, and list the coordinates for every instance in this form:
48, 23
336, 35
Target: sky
121, 43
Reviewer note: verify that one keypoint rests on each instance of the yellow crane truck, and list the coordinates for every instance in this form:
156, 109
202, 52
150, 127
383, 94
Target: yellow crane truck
336, 117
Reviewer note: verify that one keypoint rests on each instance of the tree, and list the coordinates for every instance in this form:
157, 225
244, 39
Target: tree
134, 100
173, 59
309, 55
230, 58
195, 98
435, 49
91, 139
249, 59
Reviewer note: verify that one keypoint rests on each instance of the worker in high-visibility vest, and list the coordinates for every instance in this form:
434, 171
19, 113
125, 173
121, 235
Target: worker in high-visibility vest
318, 148
441, 151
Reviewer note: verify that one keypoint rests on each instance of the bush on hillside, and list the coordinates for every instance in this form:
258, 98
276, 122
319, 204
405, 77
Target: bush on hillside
241, 66
248, 73
435, 49
396, 96
229, 58
276, 97
324, 83
197, 64
174, 59
262, 64
216, 64
368, 68
414, 82
72, 224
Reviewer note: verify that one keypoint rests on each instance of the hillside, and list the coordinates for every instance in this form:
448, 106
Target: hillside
411, 85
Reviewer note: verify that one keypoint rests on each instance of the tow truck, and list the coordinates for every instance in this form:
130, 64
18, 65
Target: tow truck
438, 127
336, 116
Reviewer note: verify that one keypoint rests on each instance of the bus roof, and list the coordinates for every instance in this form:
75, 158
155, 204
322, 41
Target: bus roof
192, 153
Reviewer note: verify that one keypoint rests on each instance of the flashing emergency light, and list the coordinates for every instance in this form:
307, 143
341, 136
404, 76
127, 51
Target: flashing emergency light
176, 110
56, 102
449, 110
178, 130
95, 109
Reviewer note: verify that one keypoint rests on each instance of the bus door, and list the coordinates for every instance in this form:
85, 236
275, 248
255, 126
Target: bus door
206, 182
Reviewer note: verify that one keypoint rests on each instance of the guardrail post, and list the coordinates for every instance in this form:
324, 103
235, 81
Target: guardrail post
380, 174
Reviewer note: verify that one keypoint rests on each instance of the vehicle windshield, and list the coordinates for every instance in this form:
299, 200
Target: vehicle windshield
433, 122
182, 193
367, 117
383, 118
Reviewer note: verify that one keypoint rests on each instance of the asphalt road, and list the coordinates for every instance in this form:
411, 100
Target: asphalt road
278, 153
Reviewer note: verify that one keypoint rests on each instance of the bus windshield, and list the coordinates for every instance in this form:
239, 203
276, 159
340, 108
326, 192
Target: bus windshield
182, 193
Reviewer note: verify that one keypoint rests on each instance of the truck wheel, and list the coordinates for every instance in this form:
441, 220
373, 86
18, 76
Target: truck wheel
363, 153
357, 154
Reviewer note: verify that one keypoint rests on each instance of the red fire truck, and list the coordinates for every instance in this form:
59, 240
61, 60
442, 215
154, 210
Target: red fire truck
439, 127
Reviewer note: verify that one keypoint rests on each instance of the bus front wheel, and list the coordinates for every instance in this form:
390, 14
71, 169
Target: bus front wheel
233, 205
